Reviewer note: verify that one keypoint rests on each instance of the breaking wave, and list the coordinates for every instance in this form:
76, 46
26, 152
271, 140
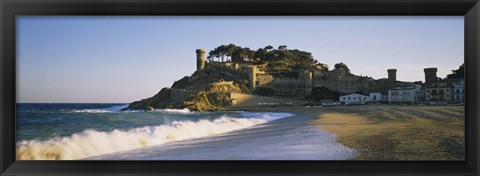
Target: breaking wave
116, 109
175, 111
103, 110
92, 143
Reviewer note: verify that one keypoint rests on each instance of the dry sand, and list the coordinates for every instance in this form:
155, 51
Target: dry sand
389, 132
393, 132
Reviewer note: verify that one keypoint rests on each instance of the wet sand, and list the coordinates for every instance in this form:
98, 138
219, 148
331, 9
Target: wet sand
290, 138
395, 132
367, 132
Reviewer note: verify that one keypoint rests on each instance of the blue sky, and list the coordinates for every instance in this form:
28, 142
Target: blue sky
123, 59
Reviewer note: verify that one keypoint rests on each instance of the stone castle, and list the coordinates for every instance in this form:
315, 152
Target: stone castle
338, 80
335, 80
217, 85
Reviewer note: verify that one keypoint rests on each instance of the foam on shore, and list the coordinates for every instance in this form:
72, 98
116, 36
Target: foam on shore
92, 143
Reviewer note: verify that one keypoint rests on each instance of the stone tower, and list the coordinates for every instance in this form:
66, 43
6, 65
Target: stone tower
430, 75
392, 75
252, 76
308, 82
200, 59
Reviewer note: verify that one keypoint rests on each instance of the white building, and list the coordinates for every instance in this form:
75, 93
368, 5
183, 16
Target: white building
384, 98
459, 91
354, 98
411, 93
375, 97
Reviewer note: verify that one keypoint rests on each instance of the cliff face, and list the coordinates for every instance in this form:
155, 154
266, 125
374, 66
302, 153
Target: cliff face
161, 99
208, 89
215, 97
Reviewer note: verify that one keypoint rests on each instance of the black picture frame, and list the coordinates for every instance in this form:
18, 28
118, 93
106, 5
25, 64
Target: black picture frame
9, 9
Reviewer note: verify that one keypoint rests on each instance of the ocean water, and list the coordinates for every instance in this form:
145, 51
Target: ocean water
80, 131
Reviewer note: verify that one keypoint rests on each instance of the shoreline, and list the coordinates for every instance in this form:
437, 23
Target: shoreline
289, 138
390, 132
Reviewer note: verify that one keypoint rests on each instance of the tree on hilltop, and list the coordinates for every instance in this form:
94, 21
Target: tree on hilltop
343, 66
282, 47
458, 73
280, 59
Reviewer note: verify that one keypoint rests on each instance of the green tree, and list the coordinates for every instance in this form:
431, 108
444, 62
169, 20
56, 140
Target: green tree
341, 65
282, 47
458, 73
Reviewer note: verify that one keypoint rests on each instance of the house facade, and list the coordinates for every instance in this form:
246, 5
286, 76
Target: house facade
354, 98
459, 91
442, 90
375, 97
406, 94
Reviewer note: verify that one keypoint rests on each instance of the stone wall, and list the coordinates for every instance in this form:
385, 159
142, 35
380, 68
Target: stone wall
342, 82
264, 79
204, 86
242, 99
289, 81
227, 67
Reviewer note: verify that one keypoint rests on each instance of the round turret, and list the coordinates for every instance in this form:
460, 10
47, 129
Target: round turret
252, 76
200, 59
308, 82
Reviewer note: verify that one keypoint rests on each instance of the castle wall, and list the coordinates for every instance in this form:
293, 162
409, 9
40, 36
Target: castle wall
204, 86
264, 79
289, 81
240, 71
242, 99
343, 84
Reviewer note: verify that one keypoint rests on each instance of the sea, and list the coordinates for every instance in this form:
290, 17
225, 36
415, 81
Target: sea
104, 132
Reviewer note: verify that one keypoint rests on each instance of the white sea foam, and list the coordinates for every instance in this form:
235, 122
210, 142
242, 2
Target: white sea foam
175, 111
112, 109
270, 116
92, 143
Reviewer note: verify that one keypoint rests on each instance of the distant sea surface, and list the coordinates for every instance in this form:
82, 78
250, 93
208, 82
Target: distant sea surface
102, 131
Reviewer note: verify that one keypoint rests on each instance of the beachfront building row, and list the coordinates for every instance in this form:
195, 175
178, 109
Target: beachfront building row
441, 91
408, 93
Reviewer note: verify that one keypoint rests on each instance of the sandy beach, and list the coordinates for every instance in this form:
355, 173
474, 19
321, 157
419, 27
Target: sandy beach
289, 138
367, 132
394, 132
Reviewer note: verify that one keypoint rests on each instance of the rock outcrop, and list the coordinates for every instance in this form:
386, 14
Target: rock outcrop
209, 89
